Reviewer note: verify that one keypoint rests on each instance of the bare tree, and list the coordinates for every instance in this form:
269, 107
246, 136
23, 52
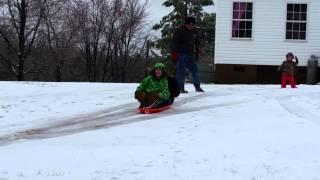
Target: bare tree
19, 25
60, 32
114, 13
91, 18
107, 38
132, 25
128, 39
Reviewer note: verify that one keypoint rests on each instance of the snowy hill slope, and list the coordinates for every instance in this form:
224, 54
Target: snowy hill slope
92, 131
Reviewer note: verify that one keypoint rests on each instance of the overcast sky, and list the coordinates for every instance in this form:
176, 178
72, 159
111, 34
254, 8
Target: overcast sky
156, 11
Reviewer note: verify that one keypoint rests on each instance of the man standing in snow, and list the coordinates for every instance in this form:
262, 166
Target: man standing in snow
185, 47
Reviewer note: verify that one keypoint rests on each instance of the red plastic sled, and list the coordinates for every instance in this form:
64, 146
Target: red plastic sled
153, 110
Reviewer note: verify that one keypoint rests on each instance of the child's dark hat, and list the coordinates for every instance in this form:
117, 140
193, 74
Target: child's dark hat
290, 54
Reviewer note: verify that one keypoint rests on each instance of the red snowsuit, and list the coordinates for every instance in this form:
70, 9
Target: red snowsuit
286, 78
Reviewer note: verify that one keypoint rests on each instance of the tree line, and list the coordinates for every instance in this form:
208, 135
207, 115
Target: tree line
73, 40
91, 40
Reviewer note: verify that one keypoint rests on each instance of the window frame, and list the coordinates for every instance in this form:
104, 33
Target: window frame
286, 21
252, 20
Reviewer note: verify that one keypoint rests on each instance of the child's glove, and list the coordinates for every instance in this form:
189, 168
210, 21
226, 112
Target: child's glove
198, 51
297, 60
174, 56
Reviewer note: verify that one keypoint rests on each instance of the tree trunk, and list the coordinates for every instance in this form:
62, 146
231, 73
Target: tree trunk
59, 71
147, 59
21, 68
21, 55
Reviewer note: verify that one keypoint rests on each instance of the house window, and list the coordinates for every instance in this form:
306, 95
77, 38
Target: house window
242, 20
296, 22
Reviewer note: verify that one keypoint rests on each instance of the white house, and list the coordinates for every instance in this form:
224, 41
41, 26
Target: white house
253, 37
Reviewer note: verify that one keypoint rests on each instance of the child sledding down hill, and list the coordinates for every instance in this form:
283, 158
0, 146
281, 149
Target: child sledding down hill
288, 68
158, 89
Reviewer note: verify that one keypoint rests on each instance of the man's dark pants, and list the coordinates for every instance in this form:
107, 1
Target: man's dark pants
187, 61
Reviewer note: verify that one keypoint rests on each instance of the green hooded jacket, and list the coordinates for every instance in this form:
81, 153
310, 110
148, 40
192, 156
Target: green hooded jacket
152, 84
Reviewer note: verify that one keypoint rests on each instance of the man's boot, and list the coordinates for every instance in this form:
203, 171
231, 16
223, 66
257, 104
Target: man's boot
198, 88
182, 91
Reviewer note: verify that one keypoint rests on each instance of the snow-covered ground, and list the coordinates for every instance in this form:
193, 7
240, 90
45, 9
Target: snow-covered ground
79, 131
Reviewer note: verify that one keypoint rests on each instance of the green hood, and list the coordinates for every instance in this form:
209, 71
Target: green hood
160, 66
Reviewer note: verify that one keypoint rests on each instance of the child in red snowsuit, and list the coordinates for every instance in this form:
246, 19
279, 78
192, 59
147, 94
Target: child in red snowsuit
288, 69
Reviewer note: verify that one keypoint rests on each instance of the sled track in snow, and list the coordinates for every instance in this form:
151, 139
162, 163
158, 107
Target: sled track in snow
115, 116
299, 111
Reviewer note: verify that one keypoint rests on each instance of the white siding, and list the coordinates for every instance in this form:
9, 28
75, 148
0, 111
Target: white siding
268, 46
